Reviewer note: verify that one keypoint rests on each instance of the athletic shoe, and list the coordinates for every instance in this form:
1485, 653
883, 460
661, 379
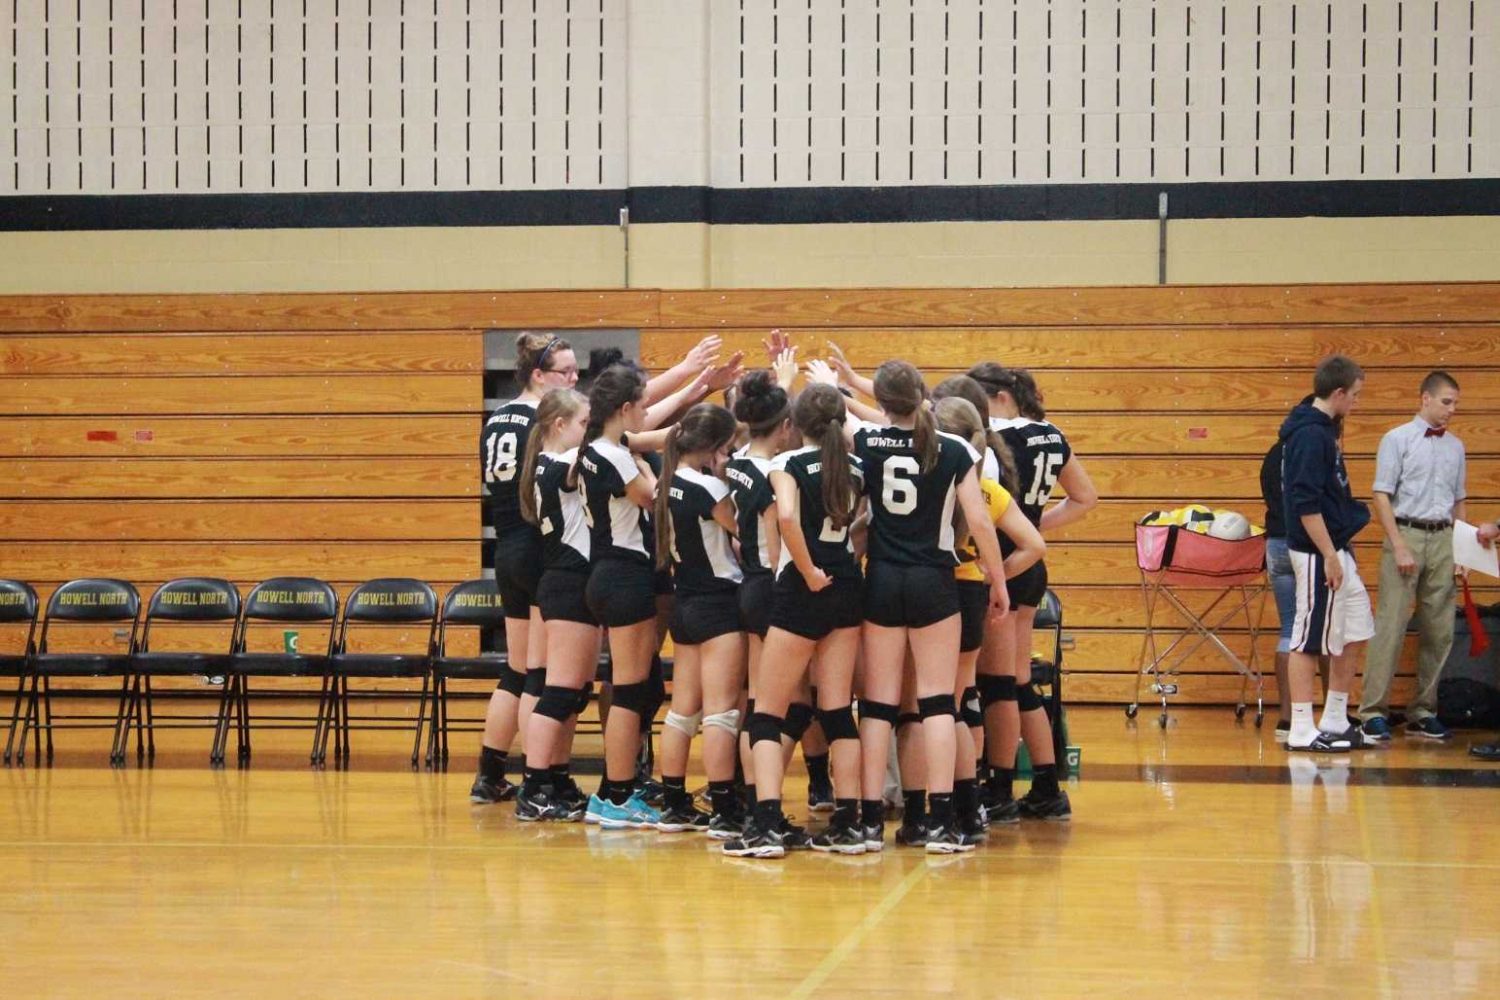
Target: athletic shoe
653, 793
726, 827
794, 837
874, 837
1485, 751
1428, 729
974, 827
910, 834
643, 815
684, 820
755, 843
534, 807
948, 840
1376, 730
1355, 735
1006, 813
486, 793
1053, 808
840, 838
608, 815
568, 795
820, 798
1321, 743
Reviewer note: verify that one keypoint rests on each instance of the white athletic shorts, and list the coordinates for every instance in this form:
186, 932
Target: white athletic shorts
1327, 621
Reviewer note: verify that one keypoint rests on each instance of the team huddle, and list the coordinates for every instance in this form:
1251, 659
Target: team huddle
839, 560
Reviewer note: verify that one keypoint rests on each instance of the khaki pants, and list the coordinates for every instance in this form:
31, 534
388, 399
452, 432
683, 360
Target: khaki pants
1432, 589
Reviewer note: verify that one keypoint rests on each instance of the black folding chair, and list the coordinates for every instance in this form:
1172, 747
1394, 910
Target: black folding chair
393, 602
475, 603
282, 600
1049, 673
18, 610
186, 601
92, 603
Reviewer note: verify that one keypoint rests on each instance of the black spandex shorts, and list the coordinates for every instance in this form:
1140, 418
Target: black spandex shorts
518, 570
899, 596
973, 607
697, 618
755, 602
560, 596
797, 610
621, 592
663, 582
1028, 589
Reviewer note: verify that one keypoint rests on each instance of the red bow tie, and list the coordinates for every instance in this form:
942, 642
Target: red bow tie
1436, 432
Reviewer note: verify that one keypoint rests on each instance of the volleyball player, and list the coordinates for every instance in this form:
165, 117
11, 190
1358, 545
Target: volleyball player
1013, 705
548, 792
695, 527
618, 490
543, 363
914, 476
1022, 546
815, 609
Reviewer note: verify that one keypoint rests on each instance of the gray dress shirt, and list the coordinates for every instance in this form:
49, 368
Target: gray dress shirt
1424, 476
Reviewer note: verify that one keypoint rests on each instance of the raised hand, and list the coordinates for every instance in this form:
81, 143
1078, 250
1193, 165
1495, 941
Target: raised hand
785, 367
820, 372
776, 344
723, 376
705, 352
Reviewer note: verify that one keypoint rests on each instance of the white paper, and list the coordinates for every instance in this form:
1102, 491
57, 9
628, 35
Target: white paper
1468, 552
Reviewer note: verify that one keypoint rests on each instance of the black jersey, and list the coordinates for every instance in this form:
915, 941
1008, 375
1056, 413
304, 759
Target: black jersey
911, 511
619, 528
560, 511
830, 548
502, 444
1040, 450
752, 495
702, 552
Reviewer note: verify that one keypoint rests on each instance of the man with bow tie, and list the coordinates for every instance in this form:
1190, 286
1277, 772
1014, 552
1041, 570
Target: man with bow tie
1419, 493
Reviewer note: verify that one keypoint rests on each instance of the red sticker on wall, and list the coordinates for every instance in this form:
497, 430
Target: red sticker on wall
1197, 433
145, 435
101, 436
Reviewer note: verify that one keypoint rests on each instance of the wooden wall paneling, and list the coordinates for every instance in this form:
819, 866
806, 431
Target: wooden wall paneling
289, 436
240, 520
247, 394
320, 352
218, 478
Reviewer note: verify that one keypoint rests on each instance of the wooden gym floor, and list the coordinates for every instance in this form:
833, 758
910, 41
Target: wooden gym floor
1198, 862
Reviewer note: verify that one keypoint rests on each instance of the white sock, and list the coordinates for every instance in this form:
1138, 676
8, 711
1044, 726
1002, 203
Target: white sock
1304, 731
1335, 713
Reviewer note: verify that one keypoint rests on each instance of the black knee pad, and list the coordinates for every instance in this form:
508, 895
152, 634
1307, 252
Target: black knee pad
995, 687
798, 717
969, 711
908, 719
1028, 698
937, 704
557, 702
536, 681
838, 723
764, 728
584, 694
879, 710
511, 681
633, 697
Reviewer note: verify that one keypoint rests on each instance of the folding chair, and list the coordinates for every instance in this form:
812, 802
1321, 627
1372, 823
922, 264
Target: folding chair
394, 601
475, 603
89, 602
1049, 672
18, 609
186, 601
282, 600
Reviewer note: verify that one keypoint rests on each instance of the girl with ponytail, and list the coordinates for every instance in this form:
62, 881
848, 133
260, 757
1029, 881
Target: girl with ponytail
915, 475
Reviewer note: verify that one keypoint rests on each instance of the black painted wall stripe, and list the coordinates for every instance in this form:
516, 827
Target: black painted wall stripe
759, 206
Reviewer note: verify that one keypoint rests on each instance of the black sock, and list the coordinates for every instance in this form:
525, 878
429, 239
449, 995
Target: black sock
749, 793
872, 812
845, 812
721, 797
768, 814
982, 771
1044, 780
533, 778
916, 806
676, 795
492, 764
616, 791
1002, 781
966, 798
559, 773
940, 809
817, 769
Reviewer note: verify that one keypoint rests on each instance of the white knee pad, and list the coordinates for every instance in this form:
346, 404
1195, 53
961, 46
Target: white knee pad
684, 723
729, 721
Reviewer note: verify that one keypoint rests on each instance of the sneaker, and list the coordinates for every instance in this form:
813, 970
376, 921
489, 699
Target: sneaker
1485, 751
1321, 743
755, 843
974, 827
1355, 735
840, 838
568, 795
1053, 808
1006, 813
1283, 730
794, 837
874, 837
911, 834
538, 806
948, 840
653, 793
1428, 729
607, 815
1376, 730
486, 793
725, 827
643, 815
687, 819
820, 798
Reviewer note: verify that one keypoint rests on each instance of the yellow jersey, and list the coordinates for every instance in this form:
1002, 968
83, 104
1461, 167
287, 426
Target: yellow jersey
998, 500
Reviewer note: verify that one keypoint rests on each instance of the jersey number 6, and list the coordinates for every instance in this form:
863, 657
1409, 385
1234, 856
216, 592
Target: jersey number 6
898, 493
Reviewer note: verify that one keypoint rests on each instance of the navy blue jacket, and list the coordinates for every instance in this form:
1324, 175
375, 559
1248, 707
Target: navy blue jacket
1314, 480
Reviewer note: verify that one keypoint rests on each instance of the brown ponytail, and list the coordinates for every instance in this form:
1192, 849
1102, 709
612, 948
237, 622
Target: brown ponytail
1016, 383
559, 404
532, 352
967, 388
615, 386
900, 391
819, 414
705, 427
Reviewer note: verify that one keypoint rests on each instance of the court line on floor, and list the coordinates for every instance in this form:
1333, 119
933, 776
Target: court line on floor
856, 936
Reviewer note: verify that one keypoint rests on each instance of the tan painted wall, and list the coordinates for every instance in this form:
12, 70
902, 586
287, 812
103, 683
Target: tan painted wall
965, 254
